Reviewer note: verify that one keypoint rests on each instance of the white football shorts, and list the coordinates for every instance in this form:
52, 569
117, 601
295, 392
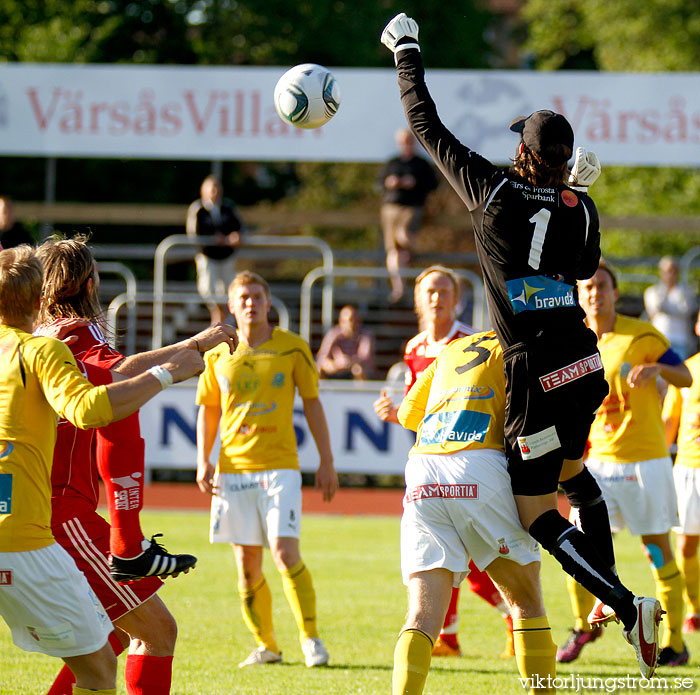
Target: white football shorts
687, 482
48, 605
459, 507
640, 495
252, 508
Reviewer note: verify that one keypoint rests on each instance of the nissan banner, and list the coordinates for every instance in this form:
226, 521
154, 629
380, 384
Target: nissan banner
360, 441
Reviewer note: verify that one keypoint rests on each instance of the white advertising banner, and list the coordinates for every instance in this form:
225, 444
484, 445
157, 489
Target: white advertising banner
178, 112
361, 442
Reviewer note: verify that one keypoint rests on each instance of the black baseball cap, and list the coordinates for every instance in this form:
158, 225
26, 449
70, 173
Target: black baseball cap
542, 131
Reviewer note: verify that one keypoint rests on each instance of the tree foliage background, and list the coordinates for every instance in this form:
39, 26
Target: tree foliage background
218, 32
626, 35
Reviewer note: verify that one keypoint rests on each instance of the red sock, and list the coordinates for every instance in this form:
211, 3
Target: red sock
65, 680
480, 583
120, 457
148, 675
448, 634
63, 685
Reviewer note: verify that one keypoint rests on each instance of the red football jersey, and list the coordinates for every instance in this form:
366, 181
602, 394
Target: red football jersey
74, 476
92, 347
421, 350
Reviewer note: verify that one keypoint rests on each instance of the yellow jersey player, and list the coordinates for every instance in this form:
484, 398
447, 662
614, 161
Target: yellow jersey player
436, 297
629, 458
681, 414
459, 507
257, 487
44, 599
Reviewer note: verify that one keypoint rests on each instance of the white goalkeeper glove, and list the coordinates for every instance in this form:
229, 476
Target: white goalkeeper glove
400, 33
585, 171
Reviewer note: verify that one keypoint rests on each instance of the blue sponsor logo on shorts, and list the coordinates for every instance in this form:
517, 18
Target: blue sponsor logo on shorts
455, 426
5, 493
537, 292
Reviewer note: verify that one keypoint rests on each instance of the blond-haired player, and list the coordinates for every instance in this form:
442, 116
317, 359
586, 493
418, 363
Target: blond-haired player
681, 413
459, 509
436, 298
44, 599
257, 487
629, 458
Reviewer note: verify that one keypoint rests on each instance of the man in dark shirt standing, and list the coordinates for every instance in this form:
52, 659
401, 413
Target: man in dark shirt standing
535, 236
214, 216
405, 182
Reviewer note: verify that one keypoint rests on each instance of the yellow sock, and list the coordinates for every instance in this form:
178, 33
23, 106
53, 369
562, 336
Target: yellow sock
690, 569
669, 591
256, 606
299, 590
535, 652
582, 602
85, 691
411, 662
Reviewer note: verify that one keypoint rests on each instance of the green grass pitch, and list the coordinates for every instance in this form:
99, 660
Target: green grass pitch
361, 604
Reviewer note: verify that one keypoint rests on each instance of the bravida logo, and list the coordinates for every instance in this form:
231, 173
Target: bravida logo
5, 577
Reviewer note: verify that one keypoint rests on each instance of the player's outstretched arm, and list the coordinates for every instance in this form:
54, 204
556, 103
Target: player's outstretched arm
127, 396
585, 171
468, 173
200, 342
208, 418
326, 476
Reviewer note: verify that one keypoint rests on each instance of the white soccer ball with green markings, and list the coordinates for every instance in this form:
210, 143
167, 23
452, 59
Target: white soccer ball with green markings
307, 96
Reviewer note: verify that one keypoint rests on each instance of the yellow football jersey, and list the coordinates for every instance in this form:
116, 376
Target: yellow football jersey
685, 405
255, 389
628, 427
39, 379
458, 402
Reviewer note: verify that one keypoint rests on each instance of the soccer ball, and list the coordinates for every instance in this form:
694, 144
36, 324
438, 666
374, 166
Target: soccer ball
307, 96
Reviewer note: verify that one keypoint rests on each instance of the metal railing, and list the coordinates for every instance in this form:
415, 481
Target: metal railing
248, 241
479, 309
127, 298
115, 268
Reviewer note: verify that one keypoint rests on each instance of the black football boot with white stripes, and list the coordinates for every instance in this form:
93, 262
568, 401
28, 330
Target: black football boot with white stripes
154, 561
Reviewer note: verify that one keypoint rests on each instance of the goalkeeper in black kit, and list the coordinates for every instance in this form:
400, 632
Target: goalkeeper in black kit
537, 233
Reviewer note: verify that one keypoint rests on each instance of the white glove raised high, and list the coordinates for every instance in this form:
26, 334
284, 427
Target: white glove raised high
586, 169
400, 33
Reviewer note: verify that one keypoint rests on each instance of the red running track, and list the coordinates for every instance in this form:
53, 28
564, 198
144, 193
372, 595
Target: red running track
348, 500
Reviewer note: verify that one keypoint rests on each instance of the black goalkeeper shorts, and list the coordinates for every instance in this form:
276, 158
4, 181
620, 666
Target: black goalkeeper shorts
552, 392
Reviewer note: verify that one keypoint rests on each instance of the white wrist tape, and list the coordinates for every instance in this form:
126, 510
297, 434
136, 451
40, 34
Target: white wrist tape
163, 375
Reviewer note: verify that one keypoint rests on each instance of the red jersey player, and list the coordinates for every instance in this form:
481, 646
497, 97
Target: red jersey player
140, 618
436, 296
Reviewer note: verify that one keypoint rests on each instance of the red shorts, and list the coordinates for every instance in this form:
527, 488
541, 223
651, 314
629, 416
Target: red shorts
86, 538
